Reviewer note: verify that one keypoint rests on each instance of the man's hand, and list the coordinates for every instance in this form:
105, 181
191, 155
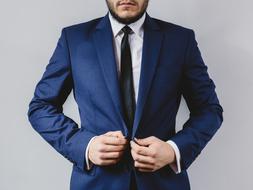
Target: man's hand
151, 154
108, 148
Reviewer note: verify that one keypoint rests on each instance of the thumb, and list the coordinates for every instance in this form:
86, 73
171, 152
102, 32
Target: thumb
145, 142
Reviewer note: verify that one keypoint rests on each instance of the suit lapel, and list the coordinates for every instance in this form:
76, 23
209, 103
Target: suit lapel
103, 40
150, 54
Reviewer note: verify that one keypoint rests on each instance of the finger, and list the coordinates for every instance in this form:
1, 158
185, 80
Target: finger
114, 140
142, 150
143, 166
142, 159
112, 148
145, 170
118, 134
108, 133
146, 141
111, 155
115, 134
108, 162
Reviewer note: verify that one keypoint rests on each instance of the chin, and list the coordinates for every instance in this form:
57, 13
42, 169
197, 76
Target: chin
127, 15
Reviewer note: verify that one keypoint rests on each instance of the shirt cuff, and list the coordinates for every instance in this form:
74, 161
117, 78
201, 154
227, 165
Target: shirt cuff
176, 166
88, 163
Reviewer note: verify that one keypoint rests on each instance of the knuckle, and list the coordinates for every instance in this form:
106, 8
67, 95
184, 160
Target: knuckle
122, 141
152, 161
101, 139
153, 154
101, 156
100, 147
107, 133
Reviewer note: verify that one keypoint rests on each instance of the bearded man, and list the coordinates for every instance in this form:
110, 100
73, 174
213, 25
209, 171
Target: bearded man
128, 72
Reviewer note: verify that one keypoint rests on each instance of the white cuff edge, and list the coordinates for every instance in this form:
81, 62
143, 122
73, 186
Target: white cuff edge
176, 167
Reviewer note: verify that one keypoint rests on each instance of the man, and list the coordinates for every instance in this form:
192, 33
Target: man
128, 72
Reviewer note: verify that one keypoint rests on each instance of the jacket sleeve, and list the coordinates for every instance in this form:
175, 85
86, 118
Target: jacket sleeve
46, 112
205, 111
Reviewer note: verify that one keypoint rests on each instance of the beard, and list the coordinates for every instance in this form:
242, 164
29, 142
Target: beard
130, 19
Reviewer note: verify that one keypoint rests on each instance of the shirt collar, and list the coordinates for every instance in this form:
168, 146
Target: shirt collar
136, 26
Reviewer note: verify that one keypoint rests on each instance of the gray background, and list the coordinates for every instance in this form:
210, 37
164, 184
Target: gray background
29, 31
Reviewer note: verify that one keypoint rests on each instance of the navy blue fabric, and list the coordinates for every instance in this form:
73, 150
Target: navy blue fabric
84, 62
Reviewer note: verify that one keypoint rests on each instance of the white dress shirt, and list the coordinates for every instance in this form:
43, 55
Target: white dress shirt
136, 43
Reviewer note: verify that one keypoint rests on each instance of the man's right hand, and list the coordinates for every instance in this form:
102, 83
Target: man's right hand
108, 148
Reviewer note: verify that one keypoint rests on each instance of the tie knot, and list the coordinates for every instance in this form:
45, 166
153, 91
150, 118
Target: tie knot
126, 29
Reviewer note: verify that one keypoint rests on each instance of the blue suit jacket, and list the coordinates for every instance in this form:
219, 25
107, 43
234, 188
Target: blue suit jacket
171, 66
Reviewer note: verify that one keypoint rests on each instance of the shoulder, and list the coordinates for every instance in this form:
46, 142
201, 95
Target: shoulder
84, 27
169, 28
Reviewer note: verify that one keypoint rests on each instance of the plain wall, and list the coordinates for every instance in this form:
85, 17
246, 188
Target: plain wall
29, 31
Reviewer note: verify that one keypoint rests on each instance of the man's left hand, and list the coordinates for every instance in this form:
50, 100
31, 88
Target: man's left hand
151, 154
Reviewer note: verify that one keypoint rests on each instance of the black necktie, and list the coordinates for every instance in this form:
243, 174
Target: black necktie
126, 80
